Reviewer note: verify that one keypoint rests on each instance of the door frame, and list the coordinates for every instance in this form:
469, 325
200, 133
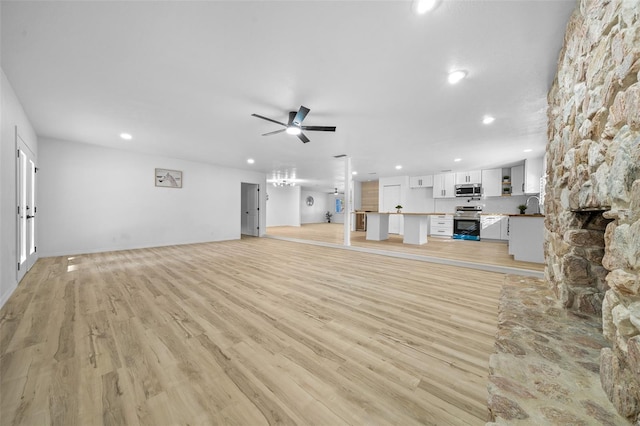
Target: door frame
245, 189
26, 206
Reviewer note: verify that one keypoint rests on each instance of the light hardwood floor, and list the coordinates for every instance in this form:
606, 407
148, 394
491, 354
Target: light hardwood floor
250, 332
484, 252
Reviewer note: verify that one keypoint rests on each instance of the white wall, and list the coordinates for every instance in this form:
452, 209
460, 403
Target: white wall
419, 200
317, 212
11, 115
283, 207
403, 181
331, 207
357, 195
96, 199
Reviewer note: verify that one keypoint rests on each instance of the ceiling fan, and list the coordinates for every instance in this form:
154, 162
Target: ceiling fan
294, 126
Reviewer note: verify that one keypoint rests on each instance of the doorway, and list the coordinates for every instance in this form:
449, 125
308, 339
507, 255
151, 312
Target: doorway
26, 171
250, 206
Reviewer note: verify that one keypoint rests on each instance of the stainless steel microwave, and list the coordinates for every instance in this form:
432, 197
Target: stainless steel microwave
469, 190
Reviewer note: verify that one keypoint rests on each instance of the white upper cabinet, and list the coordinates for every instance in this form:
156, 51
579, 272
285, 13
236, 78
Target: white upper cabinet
421, 181
444, 185
474, 176
525, 179
492, 182
517, 180
532, 174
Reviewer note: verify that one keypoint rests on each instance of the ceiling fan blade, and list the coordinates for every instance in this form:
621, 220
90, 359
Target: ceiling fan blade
274, 132
303, 138
268, 119
292, 115
302, 113
319, 128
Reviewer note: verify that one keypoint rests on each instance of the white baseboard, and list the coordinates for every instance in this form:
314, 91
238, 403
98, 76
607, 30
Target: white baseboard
8, 294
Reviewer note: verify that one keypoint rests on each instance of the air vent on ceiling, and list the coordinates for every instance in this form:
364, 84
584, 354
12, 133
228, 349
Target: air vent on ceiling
340, 156
445, 171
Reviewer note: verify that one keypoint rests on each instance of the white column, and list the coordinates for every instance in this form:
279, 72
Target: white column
348, 202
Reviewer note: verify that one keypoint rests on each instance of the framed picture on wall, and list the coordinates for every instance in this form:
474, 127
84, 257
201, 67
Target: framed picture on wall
169, 178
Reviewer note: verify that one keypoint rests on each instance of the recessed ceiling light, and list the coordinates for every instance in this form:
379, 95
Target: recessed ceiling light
488, 119
423, 6
456, 76
354, 173
293, 130
528, 150
251, 161
126, 136
398, 167
457, 159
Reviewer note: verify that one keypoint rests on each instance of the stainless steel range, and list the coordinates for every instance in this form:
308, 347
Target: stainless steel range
466, 223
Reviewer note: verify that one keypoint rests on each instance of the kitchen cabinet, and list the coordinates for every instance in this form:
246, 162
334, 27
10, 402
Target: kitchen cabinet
532, 174
474, 176
526, 238
441, 224
361, 221
517, 180
444, 185
504, 228
421, 181
493, 227
492, 182
525, 179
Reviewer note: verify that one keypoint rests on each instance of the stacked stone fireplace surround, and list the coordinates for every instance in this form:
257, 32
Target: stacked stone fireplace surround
592, 202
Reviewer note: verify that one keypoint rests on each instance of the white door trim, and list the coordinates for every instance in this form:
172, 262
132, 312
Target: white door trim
26, 210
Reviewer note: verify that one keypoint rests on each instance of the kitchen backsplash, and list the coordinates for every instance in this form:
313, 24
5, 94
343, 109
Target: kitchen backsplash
421, 201
508, 205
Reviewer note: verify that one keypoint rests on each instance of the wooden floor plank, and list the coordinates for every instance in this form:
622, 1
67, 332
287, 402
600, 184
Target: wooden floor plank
253, 331
491, 252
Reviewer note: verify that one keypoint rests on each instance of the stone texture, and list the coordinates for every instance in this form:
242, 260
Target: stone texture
624, 282
617, 384
584, 238
593, 159
506, 408
553, 376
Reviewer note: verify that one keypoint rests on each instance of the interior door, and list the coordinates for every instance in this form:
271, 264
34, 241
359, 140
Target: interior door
251, 209
26, 208
390, 199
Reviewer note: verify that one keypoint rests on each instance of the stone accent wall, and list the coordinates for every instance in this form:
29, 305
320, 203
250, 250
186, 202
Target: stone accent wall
594, 185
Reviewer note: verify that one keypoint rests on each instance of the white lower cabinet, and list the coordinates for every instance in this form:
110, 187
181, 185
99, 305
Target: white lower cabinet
526, 238
441, 224
493, 227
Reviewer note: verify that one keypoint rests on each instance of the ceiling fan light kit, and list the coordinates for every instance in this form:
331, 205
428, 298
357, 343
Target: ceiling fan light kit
294, 125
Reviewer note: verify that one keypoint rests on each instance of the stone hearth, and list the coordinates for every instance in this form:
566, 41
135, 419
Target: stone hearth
545, 367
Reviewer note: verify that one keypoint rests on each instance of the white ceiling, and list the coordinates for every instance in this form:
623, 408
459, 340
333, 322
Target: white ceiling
184, 78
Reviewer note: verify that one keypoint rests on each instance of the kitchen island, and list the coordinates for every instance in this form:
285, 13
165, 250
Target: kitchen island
416, 227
